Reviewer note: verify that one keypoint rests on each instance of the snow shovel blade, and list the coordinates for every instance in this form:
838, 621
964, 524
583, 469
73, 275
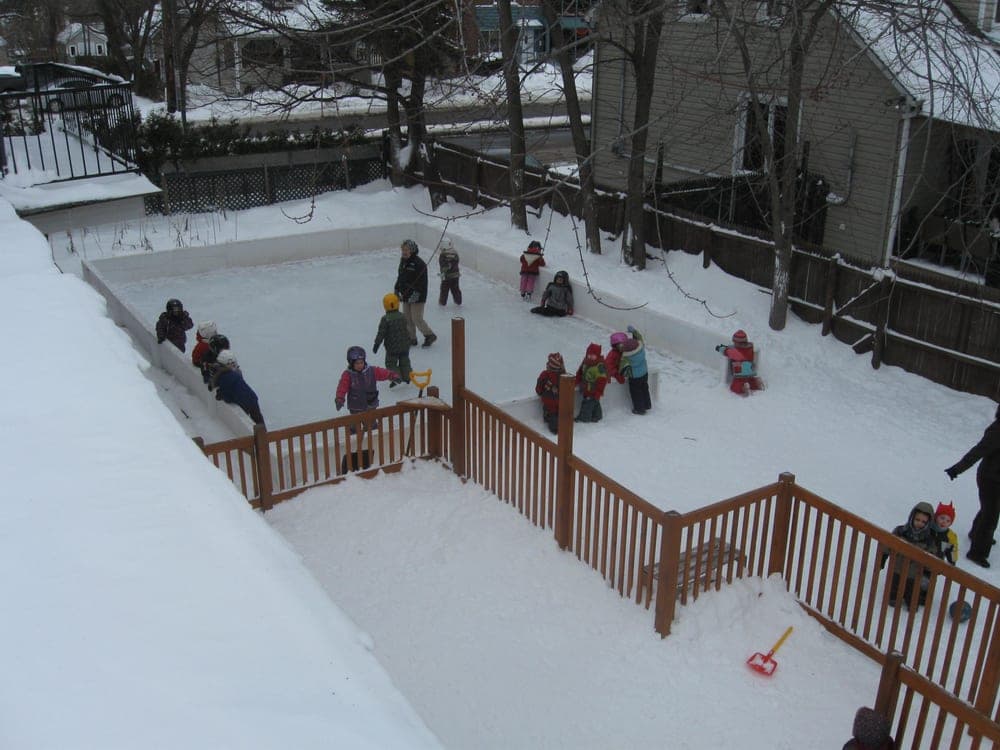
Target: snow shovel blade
765, 663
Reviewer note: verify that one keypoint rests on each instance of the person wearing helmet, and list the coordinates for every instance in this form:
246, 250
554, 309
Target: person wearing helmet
392, 330
358, 385
411, 288
557, 299
172, 324
627, 361
448, 262
216, 345
742, 364
918, 532
203, 333
233, 389
531, 262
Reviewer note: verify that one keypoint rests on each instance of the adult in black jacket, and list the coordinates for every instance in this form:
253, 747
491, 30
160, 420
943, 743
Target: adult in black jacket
411, 288
984, 525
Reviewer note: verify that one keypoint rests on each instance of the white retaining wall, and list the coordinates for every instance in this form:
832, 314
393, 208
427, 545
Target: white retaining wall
660, 331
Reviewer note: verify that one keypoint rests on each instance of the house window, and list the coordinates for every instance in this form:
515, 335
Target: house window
72, 50
752, 154
697, 7
100, 50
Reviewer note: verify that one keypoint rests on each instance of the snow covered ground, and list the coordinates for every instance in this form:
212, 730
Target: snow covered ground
494, 636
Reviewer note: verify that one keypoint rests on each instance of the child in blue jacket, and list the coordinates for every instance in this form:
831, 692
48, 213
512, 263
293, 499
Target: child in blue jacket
627, 360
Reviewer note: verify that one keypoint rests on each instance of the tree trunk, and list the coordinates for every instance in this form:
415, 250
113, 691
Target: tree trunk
646, 31
581, 145
515, 115
169, 43
393, 79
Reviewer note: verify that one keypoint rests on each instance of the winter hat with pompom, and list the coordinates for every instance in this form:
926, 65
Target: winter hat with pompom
871, 729
207, 329
555, 362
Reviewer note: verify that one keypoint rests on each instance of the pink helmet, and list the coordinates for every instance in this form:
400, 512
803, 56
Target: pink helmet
618, 338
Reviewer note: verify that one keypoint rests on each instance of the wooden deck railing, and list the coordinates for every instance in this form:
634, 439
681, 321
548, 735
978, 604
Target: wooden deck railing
272, 466
830, 559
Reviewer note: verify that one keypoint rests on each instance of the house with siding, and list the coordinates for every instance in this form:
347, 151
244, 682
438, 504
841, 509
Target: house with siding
899, 121
82, 39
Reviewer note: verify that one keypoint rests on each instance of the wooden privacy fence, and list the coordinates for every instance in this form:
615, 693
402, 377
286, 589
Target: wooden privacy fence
271, 466
940, 327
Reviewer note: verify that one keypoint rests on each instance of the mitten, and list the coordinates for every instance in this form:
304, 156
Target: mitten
630, 329
952, 472
396, 380
375, 349
339, 404
414, 298
721, 348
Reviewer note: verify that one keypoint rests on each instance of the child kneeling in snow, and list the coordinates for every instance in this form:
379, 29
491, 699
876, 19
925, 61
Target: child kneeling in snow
742, 365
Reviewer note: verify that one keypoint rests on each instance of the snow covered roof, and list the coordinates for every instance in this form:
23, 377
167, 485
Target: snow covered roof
934, 57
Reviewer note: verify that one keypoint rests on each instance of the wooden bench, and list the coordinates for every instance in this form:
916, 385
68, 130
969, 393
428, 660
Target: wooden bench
705, 564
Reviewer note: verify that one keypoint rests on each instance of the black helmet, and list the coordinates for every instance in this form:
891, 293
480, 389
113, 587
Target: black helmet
355, 353
534, 245
174, 304
562, 275
218, 343
410, 246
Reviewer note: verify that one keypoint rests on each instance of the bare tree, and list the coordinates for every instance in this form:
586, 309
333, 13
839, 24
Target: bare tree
509, 43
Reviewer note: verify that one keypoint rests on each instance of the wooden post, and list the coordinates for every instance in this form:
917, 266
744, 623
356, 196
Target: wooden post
832, 271
458, 427
564, 476
881, 320
986, 691
262, 457
782, 524
666, 579
200, 442
888, 686
706, 255
433, 425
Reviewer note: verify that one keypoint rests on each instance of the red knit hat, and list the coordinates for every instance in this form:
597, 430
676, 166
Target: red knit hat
594, 350
945, 510
740, 337
555, 362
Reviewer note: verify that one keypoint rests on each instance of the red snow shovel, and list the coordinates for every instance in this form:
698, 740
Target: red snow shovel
765, 663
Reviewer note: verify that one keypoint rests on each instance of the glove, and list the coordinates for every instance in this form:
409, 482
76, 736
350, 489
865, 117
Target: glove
414, 298
375, 349
951, 472
395, 381
339, 403
721, 348
630, 329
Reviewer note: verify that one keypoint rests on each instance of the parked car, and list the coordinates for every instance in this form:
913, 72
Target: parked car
77, 93
10, 79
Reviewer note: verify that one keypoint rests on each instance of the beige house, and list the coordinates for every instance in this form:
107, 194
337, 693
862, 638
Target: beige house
900, 117
82, 39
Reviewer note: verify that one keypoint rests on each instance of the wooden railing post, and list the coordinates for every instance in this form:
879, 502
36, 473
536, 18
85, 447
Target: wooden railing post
888, 686
433, 425
782, 524
666, 583
829, 291
986, 691
564, 449
262, 457
200, 442
458, 426
882, 310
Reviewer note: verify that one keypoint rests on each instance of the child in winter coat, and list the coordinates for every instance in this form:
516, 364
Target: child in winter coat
547, 387
944, 517
742, 364
871, 731
358, 386
233, 389
531, 262
557, 299
203, 333
392, 330
448, 263
209, 367
173, 323
627, 361
918, 532
591, 377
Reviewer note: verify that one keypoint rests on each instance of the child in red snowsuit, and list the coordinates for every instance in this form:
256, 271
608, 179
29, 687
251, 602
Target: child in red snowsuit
592, 377
531, 262
547, 387
741, 364
201, 350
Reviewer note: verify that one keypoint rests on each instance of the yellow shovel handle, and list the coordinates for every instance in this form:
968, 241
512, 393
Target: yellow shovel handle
781, 640
421, 379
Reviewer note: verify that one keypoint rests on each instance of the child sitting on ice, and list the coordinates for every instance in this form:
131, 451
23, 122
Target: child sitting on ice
547, 387
944, 517
742, 364
592, 377
627, 360
531, 262
557, 299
